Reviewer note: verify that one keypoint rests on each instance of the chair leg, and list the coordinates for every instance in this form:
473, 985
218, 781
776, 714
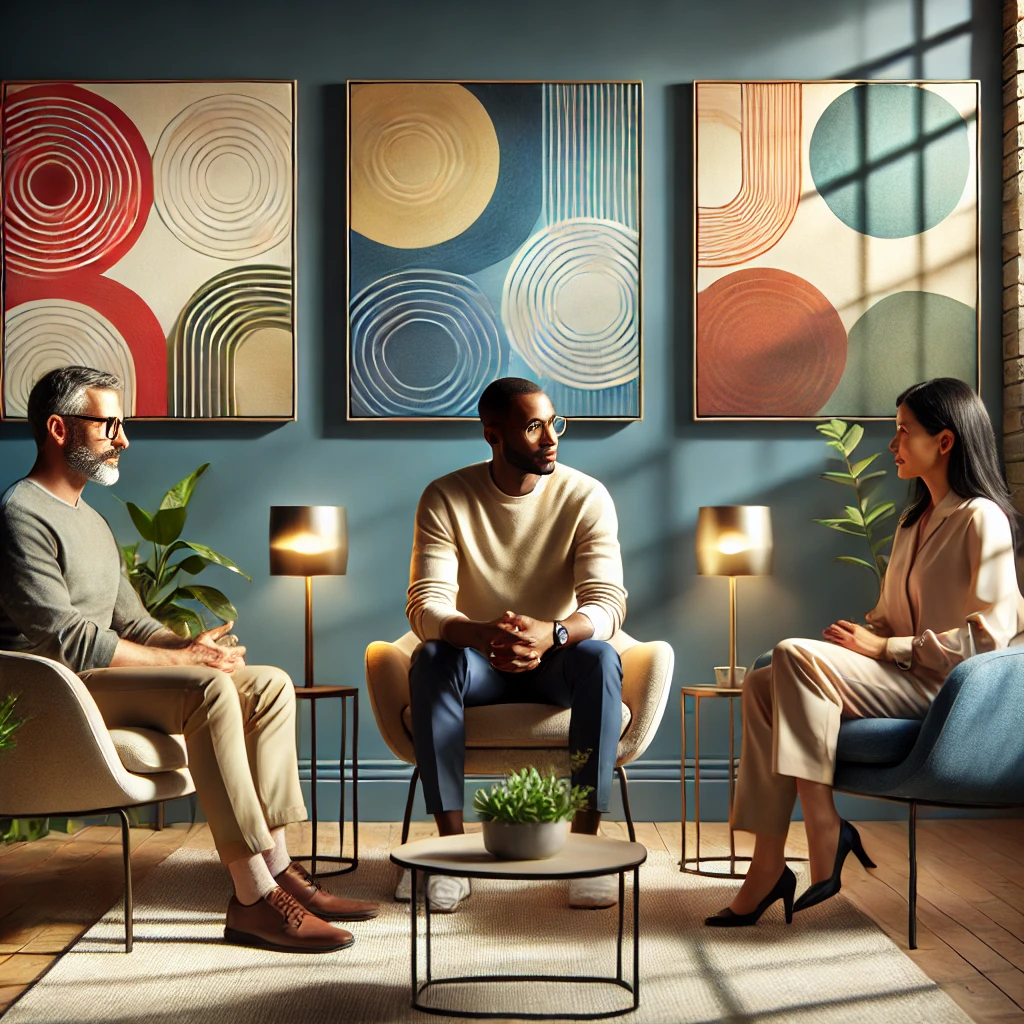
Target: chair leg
621, 772
912, 884
408, 803
160, 816
129, 908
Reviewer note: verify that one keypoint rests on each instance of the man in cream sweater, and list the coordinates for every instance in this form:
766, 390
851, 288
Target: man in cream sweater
515, 587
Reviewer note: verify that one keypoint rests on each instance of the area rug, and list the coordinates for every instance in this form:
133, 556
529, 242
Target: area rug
832, 965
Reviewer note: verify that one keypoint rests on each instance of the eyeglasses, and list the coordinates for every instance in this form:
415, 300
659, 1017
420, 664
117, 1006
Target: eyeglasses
112, 425
535, 427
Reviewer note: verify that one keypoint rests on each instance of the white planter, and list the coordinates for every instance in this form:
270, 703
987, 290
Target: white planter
525, 841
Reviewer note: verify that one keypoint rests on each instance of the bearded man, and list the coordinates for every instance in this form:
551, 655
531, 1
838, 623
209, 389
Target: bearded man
64, 595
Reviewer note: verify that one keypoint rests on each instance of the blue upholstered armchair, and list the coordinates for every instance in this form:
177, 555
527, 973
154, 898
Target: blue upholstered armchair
968, 751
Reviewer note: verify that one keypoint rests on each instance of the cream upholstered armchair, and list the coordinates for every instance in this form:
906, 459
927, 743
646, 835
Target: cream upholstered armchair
65, 762
507, 737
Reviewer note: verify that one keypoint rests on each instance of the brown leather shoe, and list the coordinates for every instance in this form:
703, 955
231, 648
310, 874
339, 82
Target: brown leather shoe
278, 922
298, 882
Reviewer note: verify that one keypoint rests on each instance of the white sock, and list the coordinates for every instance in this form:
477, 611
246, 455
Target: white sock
278, 858
252, 879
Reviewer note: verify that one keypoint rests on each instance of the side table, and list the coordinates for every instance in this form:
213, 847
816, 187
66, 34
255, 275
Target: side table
698, 694
582, 857
345, 694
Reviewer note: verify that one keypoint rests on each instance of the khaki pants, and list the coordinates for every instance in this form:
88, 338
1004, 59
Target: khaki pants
791, 715
239, 732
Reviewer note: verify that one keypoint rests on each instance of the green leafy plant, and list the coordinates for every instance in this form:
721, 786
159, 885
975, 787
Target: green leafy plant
865, 518
528, 797
8, 723
158, 579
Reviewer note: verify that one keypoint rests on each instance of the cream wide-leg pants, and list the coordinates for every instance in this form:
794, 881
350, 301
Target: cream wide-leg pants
239, 733
791, 714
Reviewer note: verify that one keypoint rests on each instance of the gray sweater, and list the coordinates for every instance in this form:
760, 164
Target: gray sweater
63, 590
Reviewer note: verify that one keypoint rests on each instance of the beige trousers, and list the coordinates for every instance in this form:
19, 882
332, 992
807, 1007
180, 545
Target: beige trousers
791, 714
239, 732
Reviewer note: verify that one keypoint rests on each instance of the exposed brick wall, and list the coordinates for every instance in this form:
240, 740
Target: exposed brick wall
1013, 247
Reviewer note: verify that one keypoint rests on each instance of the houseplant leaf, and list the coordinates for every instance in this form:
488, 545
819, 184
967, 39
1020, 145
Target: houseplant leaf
858, 467
839, 478
211, 598
178, 496
880, 512
857, 561
168, 524
209, 554
142, 519
852, 438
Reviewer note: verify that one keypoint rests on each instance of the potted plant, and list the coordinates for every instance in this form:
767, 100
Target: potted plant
526, 816
157, 579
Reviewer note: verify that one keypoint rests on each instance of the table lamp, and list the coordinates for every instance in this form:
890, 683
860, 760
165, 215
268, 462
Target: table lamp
734, 540
308, 540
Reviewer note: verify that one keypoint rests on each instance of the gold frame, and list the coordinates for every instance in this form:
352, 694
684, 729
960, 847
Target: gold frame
976, 82
294, 86
348, 236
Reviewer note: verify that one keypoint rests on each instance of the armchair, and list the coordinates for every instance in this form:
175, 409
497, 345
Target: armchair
66, 762
506, 738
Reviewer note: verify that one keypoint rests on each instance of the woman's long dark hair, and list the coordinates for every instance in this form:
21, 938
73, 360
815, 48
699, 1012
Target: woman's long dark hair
946, 403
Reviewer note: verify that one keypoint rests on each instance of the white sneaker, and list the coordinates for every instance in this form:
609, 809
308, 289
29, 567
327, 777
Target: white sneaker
445, 892
594, 893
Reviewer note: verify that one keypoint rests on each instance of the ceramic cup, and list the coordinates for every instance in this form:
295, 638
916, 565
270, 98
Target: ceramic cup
722, 676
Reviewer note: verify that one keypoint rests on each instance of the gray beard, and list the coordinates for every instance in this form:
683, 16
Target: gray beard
93, 467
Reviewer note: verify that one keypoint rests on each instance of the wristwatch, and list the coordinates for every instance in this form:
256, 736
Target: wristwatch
559, 635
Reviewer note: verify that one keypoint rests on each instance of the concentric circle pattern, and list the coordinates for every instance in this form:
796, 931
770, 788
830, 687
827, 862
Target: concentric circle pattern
424, 162
425, 307
45, 334
223, 176
569, 303
768, 344
77, 181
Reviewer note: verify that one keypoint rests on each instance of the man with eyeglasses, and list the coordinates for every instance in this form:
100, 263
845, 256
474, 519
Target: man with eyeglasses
64, 595
515, 587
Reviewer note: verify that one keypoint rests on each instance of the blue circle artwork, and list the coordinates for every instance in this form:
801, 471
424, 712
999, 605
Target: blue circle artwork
890, 160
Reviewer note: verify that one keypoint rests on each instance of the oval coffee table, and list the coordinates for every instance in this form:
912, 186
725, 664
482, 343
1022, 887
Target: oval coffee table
582, 857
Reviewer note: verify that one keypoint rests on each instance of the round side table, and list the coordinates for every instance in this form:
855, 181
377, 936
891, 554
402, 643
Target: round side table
698, 694
313, 694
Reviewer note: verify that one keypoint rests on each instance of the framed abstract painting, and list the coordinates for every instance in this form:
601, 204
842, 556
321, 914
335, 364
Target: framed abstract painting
149, 230
494, 230
836, 245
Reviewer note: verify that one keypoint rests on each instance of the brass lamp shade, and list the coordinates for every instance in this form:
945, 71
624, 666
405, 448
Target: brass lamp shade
308, 540
734, 540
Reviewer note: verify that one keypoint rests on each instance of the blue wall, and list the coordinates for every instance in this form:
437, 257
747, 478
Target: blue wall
659, 471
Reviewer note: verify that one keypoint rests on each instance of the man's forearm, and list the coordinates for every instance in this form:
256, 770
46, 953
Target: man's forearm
128, 654
579, 627
167, 638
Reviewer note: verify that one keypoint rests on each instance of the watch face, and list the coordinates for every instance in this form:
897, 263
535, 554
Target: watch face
561, 635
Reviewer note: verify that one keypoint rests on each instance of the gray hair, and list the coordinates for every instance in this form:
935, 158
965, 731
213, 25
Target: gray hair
62, 392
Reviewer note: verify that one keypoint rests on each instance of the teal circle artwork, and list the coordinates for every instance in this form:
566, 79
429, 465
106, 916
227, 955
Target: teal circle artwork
890, 160
901, 340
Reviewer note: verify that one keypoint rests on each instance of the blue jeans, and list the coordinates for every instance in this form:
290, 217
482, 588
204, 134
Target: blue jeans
445, 680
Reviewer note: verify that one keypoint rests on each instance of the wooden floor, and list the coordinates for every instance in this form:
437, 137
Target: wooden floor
970, 902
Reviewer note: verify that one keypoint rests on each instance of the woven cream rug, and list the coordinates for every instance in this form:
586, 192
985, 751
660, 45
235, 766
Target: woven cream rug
831, 965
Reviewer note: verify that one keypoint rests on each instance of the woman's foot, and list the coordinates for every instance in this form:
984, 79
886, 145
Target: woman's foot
822, 843
760, 879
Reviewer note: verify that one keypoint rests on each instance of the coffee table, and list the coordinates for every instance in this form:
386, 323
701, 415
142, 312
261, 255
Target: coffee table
581, 857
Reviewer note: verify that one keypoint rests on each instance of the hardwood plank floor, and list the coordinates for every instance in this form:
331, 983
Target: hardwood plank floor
970, 893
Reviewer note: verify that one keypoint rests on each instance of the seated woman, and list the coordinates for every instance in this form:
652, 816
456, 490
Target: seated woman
950, 591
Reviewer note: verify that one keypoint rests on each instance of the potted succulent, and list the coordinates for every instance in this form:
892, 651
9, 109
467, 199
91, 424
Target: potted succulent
526, 816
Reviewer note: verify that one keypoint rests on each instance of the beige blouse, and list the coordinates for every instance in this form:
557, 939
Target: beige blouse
952, 596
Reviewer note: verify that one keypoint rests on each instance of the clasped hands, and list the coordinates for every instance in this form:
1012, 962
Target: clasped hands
205, 650
511, 643
856, 638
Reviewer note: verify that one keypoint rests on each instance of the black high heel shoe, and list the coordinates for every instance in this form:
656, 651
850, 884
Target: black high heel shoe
849, 839
784, 889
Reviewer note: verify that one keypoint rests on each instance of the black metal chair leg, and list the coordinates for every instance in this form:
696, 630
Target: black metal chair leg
408, 803
912, 884
129, 908
621, 772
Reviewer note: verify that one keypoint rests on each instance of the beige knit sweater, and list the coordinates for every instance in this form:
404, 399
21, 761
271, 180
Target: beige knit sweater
478, 551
